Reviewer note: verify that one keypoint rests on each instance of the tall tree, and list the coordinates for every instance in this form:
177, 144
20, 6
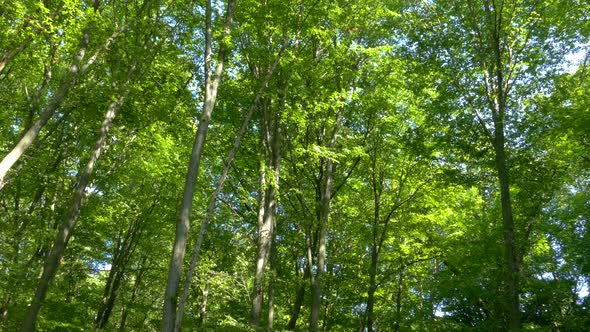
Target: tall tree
220, 183
78, 68
71, 218
499, 55
268, 201
212, 81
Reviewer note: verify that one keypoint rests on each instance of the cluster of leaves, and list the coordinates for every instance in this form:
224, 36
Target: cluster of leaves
392, 93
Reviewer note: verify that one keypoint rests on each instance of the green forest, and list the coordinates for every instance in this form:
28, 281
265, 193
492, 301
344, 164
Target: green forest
294, 165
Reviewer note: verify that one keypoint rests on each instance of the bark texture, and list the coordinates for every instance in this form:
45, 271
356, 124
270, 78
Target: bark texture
203, 307
218, 188
78, 68
71, 219
134, 293
271, 282
270, 169
497, 91
324, 212
183, 222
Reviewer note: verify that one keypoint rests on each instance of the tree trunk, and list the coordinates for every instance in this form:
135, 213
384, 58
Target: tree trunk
203, 309
271, 282
497, 96
17, 238
8, 55
372, 288
328, 306
123, 252
325, 199
271, 143
183, 222
134, 293
299, 300
508, 223
325, 210
110, 296
260, 258
75, 72
33, 131
398, 302
37, 28
218, 188
71, 219
370, 316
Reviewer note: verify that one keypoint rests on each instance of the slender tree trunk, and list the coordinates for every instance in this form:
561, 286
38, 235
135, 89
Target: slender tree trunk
398, 302
134, 294
8, 55
17, 238
71, 218
183, 222
371, 293
33, 131
325, 199
325, 210
109, 298
271, 282
329, 306
271, 143
508, 223
378, 236
497, 97
107, 289
301, 292
274, 250
203, 309
260, 257
219, 187
298, 300
75, 72
4, 308
372, 288
124, 251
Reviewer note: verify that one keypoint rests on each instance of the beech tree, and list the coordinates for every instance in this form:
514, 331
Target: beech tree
378, 166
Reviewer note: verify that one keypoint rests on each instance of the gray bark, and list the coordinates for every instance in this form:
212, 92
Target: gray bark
271, 142
265, 230
76, 71
203, 309
325, 199
219, 187
271, 283
497, 89
65, 232
183, 222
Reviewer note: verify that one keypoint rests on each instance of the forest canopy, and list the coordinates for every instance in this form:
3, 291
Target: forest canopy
306, 165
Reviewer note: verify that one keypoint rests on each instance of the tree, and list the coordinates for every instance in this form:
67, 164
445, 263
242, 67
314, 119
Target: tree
78, 68
351, 165
212, 81
499, 58
71, 218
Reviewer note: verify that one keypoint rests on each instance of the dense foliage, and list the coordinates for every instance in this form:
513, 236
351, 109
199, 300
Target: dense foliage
353, 165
